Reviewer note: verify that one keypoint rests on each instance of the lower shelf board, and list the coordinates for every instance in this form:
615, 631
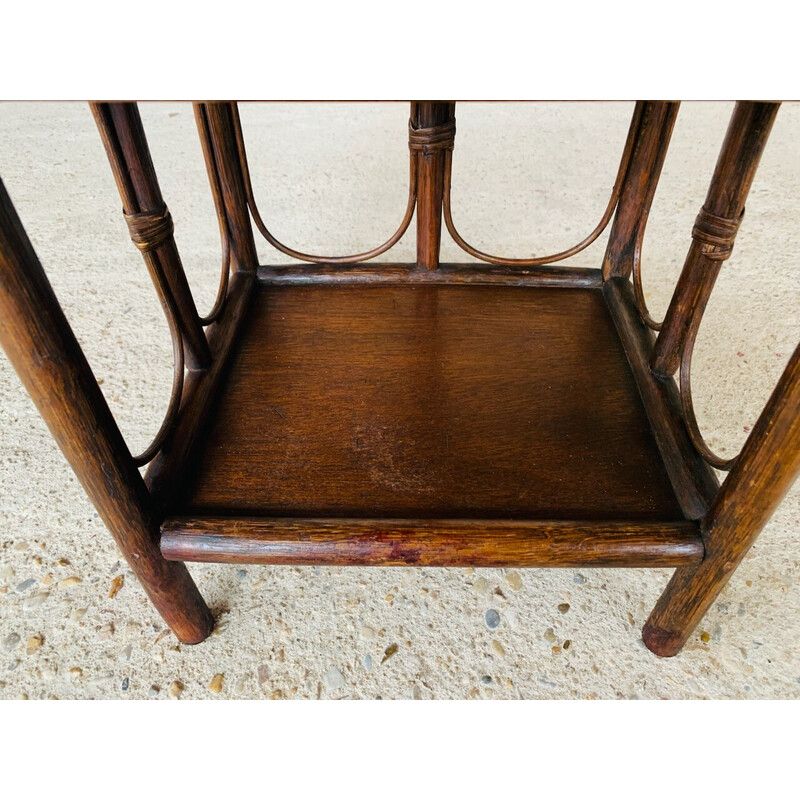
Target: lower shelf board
431, 543
405, 401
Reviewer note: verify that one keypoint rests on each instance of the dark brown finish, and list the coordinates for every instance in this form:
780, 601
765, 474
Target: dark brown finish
431, 543
564, 254
215, 183
435, 401
623, 251
693, 481
477, 274
715, 230
422, 414
123, 135
42, 348
713, 237
220, 121
430, 182
317, 259
169, 467
763, 473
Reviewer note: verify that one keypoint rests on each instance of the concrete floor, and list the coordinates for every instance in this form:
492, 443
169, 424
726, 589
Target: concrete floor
527, 178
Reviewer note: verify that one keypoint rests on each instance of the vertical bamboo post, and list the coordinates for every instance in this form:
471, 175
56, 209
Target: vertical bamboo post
149, 221
714, 230
45, 353
430, 179
219, 117
657, 120
761, 476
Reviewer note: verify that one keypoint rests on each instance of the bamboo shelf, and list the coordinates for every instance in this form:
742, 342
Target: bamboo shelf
515, 412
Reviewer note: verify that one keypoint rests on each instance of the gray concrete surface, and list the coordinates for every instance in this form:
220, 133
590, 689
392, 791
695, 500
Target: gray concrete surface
527, 179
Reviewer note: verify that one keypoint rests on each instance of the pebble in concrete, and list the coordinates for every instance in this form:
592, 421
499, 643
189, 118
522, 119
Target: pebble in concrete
492, 618
333, 679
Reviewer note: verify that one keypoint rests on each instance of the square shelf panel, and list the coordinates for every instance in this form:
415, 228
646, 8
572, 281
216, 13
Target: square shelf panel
429, 401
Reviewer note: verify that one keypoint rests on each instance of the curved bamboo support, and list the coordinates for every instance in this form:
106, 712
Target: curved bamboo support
151, 230
638, 290
222, 161
564, 254
623, 252
713, 237
222, 292
689, 416
178, 370
219, 204
315, 259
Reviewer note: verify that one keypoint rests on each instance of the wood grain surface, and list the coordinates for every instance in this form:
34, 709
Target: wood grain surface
734, 172
430, 401
430, 183
168, 469
43, 349
431, 543
554, 276
765, 471
652, 141
694, 482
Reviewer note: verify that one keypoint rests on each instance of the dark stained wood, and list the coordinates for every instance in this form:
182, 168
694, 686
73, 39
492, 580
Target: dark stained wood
426, 414
431, 543
694, 482
445, 274
430, 401
430, 183
352, 258
123, 136
219, 118
639, 187
763, 473
741, 151
169, 467
550, 258
46, 355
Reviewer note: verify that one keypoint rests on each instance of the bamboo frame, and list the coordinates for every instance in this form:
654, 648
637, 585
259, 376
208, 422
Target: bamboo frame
317, 259
624, 251
431, 543
736, 167
225, 169
430, 167
632, 145
121, 130
763, 473
46, 355
720, 523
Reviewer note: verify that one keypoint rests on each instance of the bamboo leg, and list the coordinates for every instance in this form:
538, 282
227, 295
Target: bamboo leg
122, 133
639, 188
763, 473
430, 183
45, 353
714, 231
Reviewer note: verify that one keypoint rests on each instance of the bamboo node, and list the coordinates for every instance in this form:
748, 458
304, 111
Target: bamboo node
150, 229
432, 140
716, 234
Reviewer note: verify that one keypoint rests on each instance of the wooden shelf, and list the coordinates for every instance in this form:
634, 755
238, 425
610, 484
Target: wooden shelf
397, 403
430, 401
517, 412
